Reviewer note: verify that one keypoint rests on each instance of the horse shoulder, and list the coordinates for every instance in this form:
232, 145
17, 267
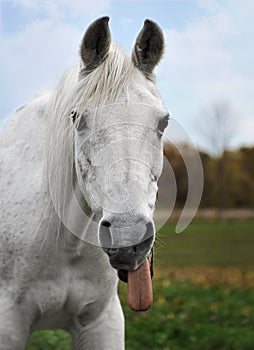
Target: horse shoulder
21, 186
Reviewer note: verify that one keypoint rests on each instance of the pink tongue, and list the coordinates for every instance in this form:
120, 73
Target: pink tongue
140, 293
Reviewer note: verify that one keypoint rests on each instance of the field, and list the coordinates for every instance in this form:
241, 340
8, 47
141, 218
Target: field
203, 293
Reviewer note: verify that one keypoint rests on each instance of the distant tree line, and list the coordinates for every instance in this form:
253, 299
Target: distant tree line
228, 178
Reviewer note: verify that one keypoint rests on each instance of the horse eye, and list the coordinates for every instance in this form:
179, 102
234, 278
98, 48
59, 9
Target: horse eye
163, 123
154, 178
74, 115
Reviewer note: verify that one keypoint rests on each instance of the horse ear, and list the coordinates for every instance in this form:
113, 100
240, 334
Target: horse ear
149, 48
95, 44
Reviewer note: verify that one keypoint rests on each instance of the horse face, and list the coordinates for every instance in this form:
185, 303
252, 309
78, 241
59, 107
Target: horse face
118, 151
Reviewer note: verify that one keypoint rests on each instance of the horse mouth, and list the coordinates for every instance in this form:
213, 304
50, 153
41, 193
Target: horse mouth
123, 274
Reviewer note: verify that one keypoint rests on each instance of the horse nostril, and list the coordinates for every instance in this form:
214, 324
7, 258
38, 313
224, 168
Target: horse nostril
144, 246
105, 223
105, 237
147, 240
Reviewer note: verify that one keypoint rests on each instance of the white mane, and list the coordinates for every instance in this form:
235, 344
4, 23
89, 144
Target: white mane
103, 86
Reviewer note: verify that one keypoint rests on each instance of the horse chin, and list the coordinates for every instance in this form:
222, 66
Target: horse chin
123, 274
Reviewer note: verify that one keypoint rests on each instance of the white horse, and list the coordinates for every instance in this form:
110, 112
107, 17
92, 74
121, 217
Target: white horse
79, 169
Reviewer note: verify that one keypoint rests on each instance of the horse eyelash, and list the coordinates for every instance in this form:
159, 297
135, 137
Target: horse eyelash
163, 123
74, 115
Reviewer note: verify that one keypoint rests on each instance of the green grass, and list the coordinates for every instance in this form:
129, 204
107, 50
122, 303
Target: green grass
184, 315
221, 243
50, 340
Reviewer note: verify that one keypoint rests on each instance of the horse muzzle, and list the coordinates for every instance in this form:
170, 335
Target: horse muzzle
127, 259
127, 246
123, 274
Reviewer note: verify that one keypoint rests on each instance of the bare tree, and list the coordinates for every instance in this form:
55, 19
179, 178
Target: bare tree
218, 127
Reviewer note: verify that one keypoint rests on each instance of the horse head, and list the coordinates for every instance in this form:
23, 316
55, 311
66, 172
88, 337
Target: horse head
118, 127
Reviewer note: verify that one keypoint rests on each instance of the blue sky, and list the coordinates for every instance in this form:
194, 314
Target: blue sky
209, 56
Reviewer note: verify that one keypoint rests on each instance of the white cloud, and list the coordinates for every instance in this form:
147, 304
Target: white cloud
36, 57
208, 4
65, 8
126, 22
199, 49
203, 65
